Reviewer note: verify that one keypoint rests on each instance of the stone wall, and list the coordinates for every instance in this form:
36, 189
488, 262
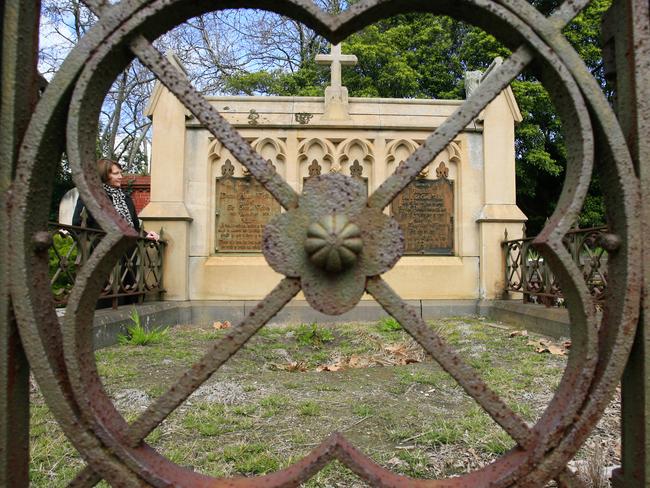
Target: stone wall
365, 138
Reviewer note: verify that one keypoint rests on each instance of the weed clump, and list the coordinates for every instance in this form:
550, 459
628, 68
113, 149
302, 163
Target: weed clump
388, 324
136, 335
313, 335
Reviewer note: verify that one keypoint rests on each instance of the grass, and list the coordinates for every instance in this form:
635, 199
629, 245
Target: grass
388, 324
309, 409
313, 335
251, 459
137, 335
412, 418
363, 410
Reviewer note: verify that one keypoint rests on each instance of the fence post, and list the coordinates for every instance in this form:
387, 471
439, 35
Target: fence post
524, 270
115, 284
505, 247
140, 267
626, 34
18, 93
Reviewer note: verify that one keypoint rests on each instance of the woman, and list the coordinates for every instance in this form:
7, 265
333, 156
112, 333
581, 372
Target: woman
110, 173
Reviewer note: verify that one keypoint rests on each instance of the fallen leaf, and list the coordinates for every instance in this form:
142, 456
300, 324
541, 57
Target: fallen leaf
401, 354
358, 361
556, 350
517, 333
293, 366
329, 367
397, 349
545, 346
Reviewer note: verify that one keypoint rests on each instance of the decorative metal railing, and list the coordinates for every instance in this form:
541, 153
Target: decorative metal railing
138, 273
527, 271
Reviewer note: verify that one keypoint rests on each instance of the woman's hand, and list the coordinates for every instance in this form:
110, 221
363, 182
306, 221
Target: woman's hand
152, 236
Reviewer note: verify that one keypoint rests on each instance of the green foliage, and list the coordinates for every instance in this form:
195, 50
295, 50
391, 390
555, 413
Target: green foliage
64, 247
251, 458
593, 210
443, 431
363, 410
584, 35
212, 420
309, 81
388, 324
136, 335
309, 409
272, 404
313, 335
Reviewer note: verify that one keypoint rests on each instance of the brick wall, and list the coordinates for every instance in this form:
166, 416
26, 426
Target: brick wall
140, 187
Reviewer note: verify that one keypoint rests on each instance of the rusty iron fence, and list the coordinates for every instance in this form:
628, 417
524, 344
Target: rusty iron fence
136, 276
368, 243
527, 271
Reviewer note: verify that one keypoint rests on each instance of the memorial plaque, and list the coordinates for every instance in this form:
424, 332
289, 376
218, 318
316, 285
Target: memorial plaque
243, 208
425, 212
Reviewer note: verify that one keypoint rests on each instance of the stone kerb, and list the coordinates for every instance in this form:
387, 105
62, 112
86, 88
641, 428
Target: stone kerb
109, 323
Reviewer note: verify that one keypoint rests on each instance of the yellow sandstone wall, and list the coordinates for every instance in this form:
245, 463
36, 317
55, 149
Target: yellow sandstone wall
186, 161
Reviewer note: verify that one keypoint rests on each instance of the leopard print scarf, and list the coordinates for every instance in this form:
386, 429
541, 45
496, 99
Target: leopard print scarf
119, 202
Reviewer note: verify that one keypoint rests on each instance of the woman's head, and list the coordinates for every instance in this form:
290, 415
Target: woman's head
110, 172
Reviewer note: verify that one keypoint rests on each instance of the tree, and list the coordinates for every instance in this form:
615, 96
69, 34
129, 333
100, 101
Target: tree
123, 130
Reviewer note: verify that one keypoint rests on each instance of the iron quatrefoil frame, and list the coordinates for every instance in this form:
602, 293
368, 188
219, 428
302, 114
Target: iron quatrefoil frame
61, 356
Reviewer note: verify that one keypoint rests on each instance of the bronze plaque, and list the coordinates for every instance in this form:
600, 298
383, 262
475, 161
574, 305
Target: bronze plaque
243, 208
425, 212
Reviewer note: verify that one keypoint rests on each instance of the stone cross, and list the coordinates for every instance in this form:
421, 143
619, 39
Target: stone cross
336, 59
336, 95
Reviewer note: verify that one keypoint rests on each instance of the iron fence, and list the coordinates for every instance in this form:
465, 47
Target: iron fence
61, 358
137, 274
527, 271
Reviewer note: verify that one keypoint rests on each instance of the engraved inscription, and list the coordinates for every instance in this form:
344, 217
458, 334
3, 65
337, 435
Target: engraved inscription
244, 207
425, 212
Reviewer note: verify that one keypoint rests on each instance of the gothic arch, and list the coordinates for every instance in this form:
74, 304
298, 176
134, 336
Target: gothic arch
397, 151
219, 157
273, 150
278, 147
321, 150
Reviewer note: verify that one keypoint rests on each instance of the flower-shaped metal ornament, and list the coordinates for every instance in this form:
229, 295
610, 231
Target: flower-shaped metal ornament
333, 241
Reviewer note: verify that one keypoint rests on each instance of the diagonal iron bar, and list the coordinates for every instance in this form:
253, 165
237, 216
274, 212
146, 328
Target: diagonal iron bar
205, 113
464, 374
454, 124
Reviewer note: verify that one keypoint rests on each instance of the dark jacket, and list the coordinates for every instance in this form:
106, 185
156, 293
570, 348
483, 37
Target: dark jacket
92, 223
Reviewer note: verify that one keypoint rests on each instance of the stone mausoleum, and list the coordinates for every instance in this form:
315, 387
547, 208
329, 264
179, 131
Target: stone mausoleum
453, 216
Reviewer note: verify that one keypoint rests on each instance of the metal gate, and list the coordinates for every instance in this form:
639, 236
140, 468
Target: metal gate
333, 242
